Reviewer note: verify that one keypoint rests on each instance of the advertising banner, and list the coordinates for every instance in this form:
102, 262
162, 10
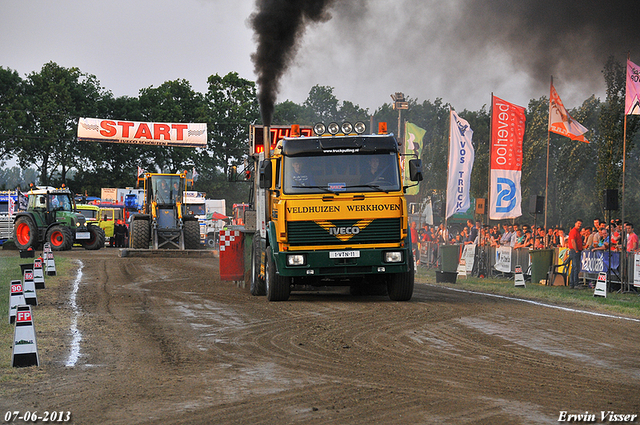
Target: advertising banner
507, 133
503, 259
598, 261
143, 133
461, 157
412, 149
632, 93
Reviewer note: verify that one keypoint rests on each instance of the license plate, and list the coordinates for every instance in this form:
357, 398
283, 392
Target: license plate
83, 235
344, 254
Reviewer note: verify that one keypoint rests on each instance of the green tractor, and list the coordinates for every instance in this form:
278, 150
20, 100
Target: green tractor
50, 217
163, 222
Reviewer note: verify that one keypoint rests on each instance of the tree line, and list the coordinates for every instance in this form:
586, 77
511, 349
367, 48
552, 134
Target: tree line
39, 116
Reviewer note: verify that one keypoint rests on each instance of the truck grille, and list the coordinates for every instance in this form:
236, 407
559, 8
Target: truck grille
310, 233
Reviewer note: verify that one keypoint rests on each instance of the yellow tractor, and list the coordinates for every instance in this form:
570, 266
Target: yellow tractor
162, 223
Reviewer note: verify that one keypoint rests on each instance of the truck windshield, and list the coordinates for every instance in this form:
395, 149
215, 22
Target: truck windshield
166, 189
195, 209
341, 173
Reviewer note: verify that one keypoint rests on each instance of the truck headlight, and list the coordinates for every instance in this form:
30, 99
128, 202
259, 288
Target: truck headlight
295, 260
393, 257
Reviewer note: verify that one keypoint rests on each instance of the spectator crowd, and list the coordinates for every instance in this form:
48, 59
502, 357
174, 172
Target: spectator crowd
600, 236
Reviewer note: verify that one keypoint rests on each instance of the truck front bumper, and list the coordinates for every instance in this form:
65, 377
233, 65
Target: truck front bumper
343, 263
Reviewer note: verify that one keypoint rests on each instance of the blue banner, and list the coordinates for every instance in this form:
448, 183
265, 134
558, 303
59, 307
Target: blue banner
598, 261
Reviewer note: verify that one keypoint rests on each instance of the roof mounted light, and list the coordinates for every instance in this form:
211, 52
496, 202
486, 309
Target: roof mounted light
360, 127
347, 128
333, 128
319, 129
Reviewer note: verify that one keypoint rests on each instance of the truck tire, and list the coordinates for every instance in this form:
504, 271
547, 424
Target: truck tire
25, 233
139, 233
97, 238
278, 287
257, 286
400, 285
60, 238
191, 231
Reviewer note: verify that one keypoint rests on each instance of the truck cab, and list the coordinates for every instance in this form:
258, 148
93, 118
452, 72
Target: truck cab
335, 214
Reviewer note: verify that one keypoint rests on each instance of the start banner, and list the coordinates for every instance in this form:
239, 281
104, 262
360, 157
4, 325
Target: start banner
143, 133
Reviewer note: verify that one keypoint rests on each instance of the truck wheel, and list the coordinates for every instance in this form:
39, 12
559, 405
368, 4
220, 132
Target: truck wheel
60, 238
191, 231
25, 233
139, 234
96, 241
400, 285
257, 283
278, 288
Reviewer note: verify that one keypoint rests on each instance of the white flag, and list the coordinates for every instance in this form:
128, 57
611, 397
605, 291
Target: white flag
461, 157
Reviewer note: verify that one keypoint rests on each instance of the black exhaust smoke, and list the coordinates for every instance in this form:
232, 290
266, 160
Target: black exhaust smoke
279, 26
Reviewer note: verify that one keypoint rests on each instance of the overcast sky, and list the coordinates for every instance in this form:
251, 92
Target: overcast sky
457, 50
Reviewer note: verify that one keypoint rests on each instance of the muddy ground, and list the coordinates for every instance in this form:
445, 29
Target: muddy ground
164, 341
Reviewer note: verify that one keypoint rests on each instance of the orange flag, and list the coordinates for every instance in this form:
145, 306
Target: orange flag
560, 121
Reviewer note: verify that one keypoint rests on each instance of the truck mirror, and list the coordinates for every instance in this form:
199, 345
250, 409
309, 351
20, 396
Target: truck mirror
415, 170
265, 174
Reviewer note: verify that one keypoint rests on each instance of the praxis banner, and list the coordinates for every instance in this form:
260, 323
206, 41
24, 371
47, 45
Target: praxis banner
507, 133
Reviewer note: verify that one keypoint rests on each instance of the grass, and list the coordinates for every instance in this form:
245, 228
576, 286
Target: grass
627, 304
50, 321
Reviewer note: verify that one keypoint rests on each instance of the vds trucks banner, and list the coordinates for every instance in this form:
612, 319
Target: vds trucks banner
461, 157
507, 133
143, 133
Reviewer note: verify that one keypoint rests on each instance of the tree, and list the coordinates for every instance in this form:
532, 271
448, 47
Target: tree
173, 101
54, 99
231, 105
11, 112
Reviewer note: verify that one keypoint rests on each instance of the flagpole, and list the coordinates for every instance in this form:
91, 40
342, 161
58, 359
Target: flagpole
488, 206
446, 194
546, 184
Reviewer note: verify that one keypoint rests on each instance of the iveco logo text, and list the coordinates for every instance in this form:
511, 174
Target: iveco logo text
344, 230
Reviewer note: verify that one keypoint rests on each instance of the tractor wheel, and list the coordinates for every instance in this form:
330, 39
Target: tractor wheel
97, 238
191, 231
25, 233
60, 238
139, 234
278, 287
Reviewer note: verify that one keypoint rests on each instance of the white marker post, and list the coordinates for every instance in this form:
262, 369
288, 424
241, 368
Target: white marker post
38, 276
50, 264
25, 348
29, 288
519, 278
601, 286
16, 298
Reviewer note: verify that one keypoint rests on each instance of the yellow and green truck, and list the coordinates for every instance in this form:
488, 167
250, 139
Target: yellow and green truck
331, 211
104, 217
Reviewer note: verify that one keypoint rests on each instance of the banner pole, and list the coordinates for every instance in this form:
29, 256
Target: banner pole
446, 194
546, 184
488, 206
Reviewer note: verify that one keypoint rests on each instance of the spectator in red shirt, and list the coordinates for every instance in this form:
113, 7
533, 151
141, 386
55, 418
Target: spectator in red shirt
575, 248
632, 238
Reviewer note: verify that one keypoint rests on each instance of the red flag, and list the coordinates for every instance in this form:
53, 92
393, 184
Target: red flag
560, 121
507, 134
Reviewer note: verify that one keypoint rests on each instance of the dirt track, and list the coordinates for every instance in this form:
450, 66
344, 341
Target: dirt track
164, 341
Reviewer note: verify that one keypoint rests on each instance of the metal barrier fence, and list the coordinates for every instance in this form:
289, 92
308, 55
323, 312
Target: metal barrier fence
592, 262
